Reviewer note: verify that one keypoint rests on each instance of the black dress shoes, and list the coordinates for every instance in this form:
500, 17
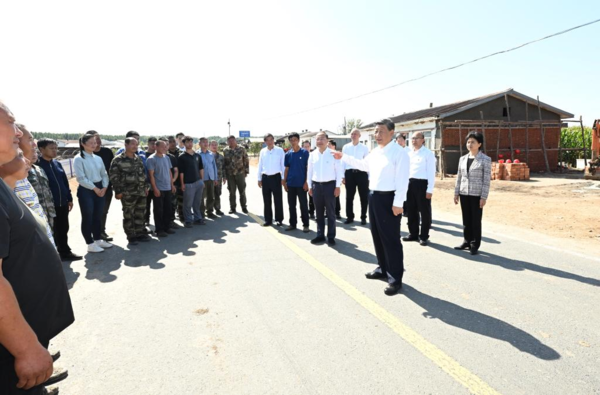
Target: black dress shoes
267, 224
348, 221
375, 275
232, 211
423, 242
474, 249
410, 238
219, 212
70, 257
245, 210
363, 221
463, 246
331, 241
318, 240
290, 228
393, 288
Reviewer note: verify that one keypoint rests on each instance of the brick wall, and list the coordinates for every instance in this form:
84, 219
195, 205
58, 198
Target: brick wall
536, 159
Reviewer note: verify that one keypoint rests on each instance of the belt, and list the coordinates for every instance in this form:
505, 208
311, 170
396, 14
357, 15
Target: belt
356, 171
323, 183
383, 192
417, 179
272, 175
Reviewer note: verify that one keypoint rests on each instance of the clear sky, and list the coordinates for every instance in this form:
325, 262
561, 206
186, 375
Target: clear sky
162, 67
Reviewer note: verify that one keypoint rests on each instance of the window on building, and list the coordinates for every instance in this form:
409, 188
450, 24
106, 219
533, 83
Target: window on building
505, 113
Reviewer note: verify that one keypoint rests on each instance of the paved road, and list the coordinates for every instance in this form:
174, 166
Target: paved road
233, 307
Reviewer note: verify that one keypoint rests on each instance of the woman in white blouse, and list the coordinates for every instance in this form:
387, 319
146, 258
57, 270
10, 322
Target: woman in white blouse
93, 181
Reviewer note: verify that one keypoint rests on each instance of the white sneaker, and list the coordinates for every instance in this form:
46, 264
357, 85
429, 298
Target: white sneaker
103, 244
94, 248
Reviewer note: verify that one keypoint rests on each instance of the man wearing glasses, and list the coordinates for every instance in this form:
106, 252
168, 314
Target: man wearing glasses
420, 190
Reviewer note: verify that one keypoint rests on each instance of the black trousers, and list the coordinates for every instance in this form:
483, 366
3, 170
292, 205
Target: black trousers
163, 210
385, 230
324, 198
418, 209
148, 201
300, 194
107, 199
356, 179
471, 215
271, 191
311, 205
61, 230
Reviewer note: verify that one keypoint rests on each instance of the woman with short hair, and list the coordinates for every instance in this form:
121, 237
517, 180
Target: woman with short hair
472, 190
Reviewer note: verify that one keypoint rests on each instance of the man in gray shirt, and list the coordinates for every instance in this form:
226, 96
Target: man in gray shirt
161, 178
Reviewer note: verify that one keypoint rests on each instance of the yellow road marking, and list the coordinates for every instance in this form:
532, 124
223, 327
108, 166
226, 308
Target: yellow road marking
459, 373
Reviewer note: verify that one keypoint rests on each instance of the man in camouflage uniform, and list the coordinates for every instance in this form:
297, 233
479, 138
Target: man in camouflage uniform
220, 161
237, 167
128, 178
39, 181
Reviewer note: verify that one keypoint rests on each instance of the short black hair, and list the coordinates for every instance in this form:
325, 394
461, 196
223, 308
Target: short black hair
401, 135
44, 142
129, 140
474, 134
231, 137
387, 123
150, 139
267, 136
169, 138
296, 135
179, 135
332, 142
186, 139
91, 132
132, 133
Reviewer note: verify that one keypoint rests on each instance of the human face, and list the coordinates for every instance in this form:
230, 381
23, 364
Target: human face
9, 135
473, 145
306, 146
204, 145
331, 146
270, 141
383, 136
90, 145
214, 146
355, 136
132, 147
232, 143
50, 151
322, 140
417, 141
16, 169
27, 144
294, 142
189, 144
98, 142
172, 144
151, 146
400, 140
161, 147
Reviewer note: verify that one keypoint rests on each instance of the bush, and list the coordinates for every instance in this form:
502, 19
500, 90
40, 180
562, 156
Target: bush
571, 138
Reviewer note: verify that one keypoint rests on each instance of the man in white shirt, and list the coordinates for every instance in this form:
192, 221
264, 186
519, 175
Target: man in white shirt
324, 179
270, 175
354, 178
388, 168
420, 190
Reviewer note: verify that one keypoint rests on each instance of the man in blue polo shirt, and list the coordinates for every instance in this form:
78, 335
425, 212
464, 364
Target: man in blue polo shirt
296, 164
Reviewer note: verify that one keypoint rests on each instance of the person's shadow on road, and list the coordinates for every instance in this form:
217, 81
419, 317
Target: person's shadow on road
476, 322
516, 265
436, 225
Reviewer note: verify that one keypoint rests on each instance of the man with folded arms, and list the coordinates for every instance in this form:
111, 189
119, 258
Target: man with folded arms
191, 175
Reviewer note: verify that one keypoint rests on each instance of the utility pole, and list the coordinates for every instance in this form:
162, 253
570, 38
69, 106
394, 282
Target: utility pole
229, 125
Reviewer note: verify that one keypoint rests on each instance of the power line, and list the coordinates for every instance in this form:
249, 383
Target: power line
438, 71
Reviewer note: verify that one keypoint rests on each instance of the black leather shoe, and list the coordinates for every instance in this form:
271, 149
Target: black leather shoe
423, 242
70, 257
393, 288
331, 241
410, 238
463, 246
317, 240
212, 216
363, 221
348, 221
375, 275
245, 210
219, 212
290, 228
474, 250
267, 224
232, 211
338, 216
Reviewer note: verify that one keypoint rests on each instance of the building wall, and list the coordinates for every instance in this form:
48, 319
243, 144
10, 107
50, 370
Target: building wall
536, 159
493, 110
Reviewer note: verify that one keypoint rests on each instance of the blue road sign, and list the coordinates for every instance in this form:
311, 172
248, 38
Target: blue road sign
244, 133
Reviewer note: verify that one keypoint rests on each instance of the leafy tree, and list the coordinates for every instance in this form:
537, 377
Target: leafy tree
571, 138
350, 125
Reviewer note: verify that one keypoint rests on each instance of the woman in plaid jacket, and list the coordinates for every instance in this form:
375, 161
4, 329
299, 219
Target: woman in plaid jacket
472, 189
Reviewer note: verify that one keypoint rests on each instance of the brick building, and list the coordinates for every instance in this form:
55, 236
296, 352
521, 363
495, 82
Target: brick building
445, 128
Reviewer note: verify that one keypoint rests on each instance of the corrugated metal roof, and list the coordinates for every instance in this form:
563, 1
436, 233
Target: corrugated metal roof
450, 109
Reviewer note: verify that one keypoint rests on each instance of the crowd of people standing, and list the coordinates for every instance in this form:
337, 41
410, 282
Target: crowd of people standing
179, 181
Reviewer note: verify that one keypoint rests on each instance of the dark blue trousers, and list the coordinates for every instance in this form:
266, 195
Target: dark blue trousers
385, 230
324, 198
92, 209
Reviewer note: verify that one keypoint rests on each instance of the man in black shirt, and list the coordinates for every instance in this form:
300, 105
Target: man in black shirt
177, 198
34, 300
107, 157
191, 175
